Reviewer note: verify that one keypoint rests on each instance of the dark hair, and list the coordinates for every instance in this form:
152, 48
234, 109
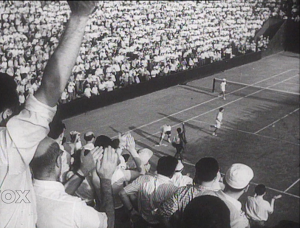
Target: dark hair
56, 128
126, 157
166, 166
206, 169
179, 130
47, 161
76, 163
88, 137
8, 93
221, 109
115, 143
260, 189
206, 212
103, 141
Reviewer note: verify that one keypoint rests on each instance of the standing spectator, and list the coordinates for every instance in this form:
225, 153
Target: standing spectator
89, 138
258, 209
151, 191
55, 206
237, 179
207, 178
18, 146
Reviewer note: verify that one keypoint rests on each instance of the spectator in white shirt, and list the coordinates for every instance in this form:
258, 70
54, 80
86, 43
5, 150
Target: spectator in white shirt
18, 146
55, 207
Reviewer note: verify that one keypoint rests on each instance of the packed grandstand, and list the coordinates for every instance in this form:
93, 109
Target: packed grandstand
128, 42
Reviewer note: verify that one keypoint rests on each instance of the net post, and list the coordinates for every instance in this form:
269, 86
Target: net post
214, 84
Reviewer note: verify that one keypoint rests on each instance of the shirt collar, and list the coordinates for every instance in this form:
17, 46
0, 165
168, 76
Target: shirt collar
53, 185
234, 201
163, 178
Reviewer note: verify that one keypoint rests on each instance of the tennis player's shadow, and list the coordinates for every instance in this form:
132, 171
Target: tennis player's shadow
204, 129
144, 134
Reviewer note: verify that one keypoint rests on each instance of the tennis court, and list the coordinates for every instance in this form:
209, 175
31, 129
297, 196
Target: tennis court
260, 126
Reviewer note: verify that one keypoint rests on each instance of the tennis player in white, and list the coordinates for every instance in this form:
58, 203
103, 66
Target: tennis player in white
223, 88
219, 120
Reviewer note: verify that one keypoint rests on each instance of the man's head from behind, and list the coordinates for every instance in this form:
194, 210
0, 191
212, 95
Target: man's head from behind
46, 163
238, 177
207, 169
260, 189
166, 166
9, 99
89, 136
206, 212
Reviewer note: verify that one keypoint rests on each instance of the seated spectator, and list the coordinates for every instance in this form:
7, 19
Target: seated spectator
206, 212
87, 91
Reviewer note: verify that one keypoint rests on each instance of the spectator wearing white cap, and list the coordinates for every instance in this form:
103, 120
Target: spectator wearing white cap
178, 178
89, 138
237, 179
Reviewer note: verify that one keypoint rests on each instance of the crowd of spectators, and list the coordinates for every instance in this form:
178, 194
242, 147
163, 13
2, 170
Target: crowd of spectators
102, 182
128, 42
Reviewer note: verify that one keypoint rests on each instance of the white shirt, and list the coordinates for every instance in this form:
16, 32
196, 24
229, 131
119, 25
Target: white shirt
19, 141
56, 208
151, 191
222, 86
258, 209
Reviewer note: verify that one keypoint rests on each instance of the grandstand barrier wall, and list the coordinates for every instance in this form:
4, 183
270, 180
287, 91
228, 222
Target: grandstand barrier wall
82, 105
277, 35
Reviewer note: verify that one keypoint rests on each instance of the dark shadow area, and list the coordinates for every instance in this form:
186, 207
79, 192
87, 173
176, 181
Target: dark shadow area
198, 89
144, 134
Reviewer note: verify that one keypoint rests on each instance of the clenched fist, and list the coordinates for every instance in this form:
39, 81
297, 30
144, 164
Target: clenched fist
83, 8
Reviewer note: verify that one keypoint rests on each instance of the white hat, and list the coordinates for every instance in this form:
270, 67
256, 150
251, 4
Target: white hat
224, 79
239, 175
145, 155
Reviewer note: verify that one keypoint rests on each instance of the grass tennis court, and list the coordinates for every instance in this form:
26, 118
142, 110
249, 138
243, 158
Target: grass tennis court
260, 126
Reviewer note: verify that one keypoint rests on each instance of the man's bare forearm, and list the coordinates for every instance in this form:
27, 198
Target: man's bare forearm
59, 66
72, 184
108, 201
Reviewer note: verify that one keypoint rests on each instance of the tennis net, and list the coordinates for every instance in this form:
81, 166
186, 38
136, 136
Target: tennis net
242, 89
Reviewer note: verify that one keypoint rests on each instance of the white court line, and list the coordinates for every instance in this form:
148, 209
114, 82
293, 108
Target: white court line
269, 87
292, 185
276, 121
184, 110
250, 133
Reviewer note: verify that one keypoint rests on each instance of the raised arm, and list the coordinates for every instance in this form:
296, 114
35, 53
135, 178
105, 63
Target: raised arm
59, 66
105, 170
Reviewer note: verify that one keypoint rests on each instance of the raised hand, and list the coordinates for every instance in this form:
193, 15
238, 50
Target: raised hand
88, 161
107, 165
83, 8
130, 143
